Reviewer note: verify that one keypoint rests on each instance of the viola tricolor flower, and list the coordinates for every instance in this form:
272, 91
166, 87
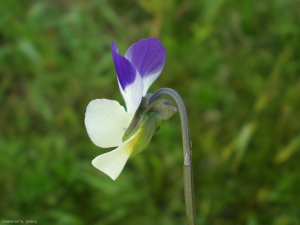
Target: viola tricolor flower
109, 125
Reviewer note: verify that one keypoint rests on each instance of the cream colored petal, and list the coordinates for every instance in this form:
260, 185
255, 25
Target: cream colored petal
106, 122
113, 162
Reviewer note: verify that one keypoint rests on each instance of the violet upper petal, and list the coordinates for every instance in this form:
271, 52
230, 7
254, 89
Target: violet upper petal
148, 57
129, 79
125, 70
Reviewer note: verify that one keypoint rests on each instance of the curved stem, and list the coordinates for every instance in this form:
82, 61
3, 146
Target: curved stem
187, 152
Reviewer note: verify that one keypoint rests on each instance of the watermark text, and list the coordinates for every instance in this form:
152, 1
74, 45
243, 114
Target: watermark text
19, 221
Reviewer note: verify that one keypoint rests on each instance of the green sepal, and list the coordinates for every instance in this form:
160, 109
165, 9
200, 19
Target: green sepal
146, 122
138, 119
147, 130
162, 108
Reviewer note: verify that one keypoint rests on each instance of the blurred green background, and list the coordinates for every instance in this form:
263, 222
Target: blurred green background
236, 64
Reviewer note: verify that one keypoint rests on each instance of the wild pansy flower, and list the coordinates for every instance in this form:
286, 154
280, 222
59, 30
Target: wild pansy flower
109, 125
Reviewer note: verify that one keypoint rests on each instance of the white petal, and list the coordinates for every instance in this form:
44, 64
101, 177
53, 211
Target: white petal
113, 162
106, 122
129, 79
133, 94
147, 81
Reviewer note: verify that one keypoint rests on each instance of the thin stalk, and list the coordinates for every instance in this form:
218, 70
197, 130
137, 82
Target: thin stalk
187, 152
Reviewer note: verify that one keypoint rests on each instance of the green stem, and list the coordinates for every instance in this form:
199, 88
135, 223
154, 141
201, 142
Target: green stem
187, 152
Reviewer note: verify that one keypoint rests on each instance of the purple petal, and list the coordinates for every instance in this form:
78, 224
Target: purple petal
148, 56
125, 70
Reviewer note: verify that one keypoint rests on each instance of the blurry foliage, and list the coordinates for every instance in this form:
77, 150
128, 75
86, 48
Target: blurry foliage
236, 65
